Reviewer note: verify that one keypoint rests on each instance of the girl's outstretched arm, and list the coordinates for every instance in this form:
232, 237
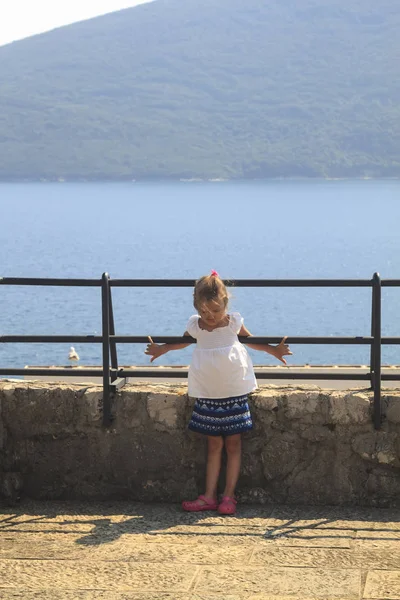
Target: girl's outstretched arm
156, 350
278, 351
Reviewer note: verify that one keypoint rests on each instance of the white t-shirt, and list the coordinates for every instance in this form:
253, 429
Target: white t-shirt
221, 366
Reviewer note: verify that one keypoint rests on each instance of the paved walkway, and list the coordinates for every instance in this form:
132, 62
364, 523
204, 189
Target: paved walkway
121, 551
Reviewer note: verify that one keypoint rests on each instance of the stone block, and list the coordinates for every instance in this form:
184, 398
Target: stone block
383, 487
301, 403
378, 446
88, 408
36, 409
349, 407
266, 400
315, 433
11, 484
364, 445
318, 477
281, 455
164, 410
392, 405
129, 409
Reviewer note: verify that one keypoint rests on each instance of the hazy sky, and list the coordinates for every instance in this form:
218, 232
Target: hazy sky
21, 18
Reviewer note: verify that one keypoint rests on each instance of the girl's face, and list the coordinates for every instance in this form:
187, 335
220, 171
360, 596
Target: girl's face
212, 312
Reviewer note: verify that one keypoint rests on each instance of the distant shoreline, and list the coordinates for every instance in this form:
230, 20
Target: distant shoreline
62, 180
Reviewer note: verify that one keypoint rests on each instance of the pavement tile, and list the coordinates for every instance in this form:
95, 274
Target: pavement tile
377, 535
213, 528
207, 540
381, 525
87, 595
333, 558
382, 584
230, 522
218, 597
64, 524
126, 548
268, 597
255, 516
298, 523
326, 538
46, 526
377, 539
144, 522
337, 517
70, 575
71, 516
316, 583
209, 533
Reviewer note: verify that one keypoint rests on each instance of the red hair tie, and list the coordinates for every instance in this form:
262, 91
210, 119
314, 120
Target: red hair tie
214, 274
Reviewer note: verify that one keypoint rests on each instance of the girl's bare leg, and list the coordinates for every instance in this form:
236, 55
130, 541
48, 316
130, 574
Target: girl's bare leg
215, 445
233, 447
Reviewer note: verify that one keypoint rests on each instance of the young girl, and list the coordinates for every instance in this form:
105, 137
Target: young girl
220, 377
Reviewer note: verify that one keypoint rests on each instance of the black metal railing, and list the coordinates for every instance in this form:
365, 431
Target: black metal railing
114, 377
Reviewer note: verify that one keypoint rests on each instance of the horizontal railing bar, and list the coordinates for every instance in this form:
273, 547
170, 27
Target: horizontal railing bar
163, 339
390, 340
153, 282
50, 281
142, 339
49, 372
41, 281
390, 282
265, 375
245, 282
259, 374
51, 339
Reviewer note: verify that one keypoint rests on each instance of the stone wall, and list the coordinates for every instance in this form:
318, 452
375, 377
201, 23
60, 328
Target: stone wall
309, 445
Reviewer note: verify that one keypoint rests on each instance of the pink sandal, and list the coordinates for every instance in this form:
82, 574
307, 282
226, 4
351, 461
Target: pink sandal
196, 506
227, 506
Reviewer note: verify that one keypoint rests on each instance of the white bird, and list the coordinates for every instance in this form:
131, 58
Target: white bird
73, 355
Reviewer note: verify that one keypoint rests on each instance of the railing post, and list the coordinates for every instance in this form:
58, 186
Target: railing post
105, 309
376, 333
372, 353
113, 346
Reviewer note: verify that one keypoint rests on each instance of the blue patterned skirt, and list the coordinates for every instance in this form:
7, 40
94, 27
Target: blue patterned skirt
225, 416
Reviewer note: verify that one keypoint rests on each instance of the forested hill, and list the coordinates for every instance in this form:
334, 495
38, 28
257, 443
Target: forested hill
208, 89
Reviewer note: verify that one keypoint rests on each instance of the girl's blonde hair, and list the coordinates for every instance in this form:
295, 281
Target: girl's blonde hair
209, 287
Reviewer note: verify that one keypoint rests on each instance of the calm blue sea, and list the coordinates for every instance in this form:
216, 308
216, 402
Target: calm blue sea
275, 229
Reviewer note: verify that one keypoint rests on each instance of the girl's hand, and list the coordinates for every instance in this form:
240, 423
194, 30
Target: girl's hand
153, 350
282, 350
